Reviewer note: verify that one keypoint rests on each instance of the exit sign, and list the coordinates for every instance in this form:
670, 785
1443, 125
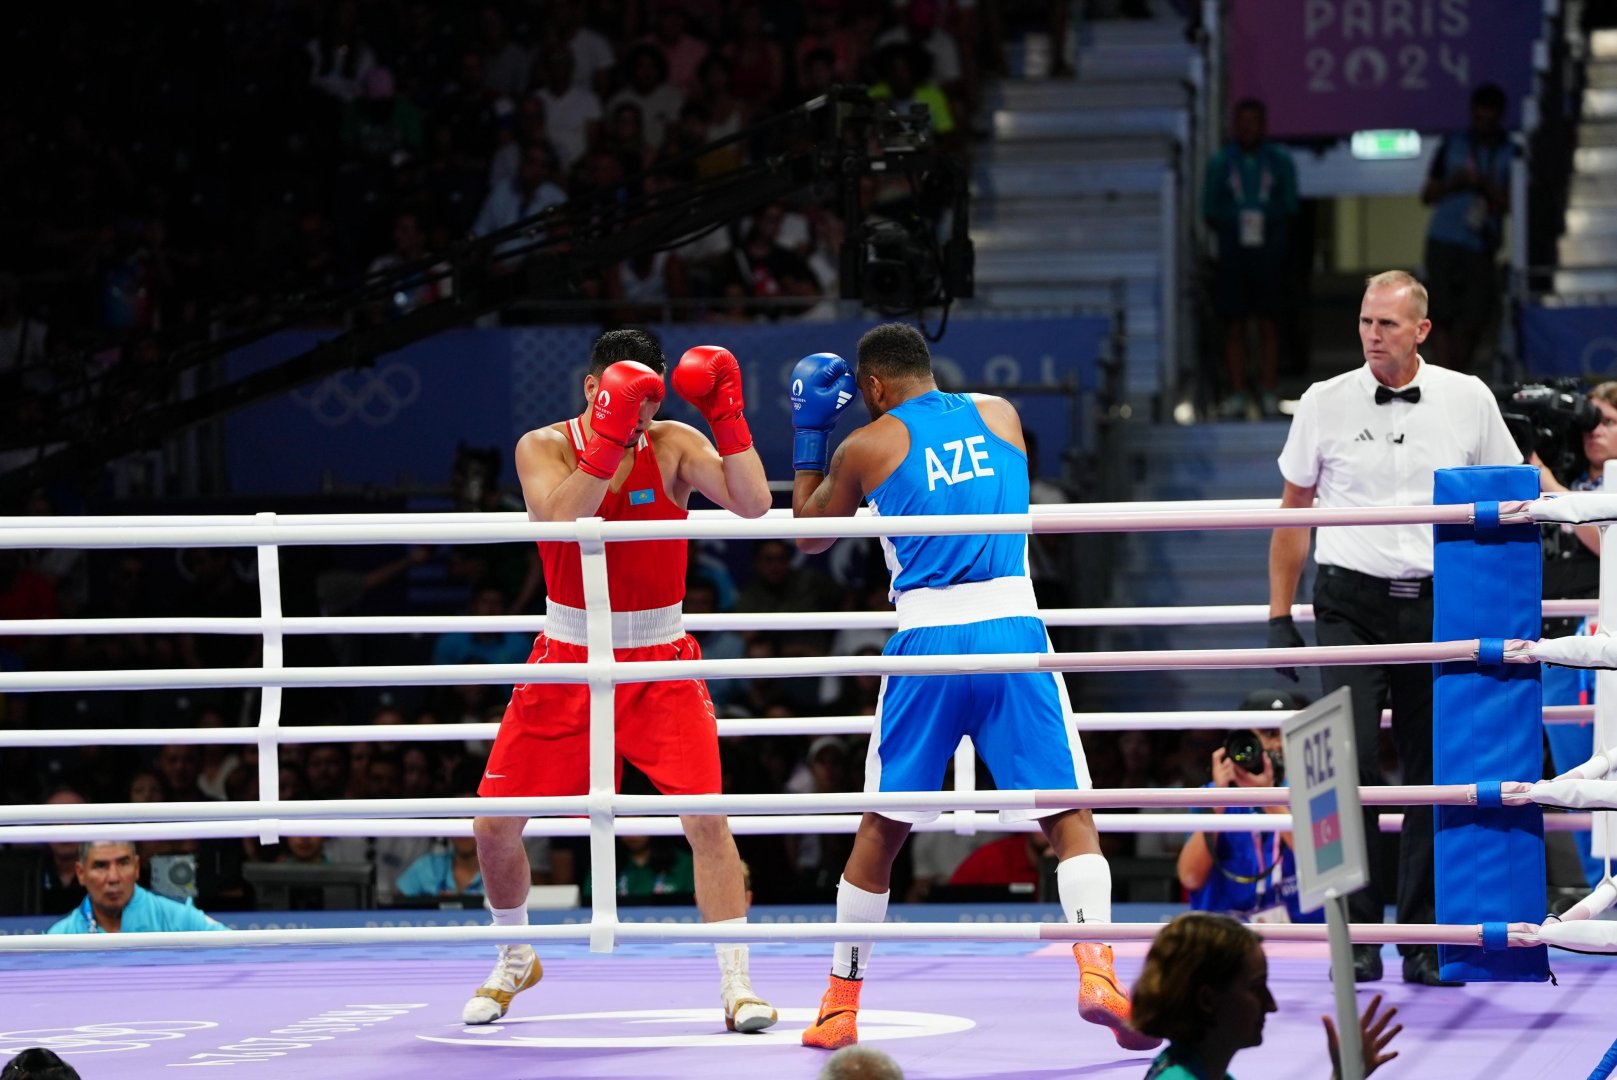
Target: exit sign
1388, 145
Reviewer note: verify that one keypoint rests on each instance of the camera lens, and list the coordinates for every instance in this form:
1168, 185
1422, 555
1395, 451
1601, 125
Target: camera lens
1244, 749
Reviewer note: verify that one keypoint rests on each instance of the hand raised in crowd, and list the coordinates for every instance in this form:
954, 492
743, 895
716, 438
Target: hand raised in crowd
1374, 1036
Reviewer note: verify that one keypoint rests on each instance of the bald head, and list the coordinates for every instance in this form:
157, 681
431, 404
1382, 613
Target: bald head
861, 1063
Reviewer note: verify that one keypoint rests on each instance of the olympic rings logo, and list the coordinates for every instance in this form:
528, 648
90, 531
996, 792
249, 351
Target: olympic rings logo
374, 397
104, 1038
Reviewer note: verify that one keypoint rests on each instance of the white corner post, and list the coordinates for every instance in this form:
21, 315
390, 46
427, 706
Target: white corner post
269, 701
603, 736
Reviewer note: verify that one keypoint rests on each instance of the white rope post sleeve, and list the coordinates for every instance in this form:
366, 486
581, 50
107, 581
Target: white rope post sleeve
1576, 508
1566, 794
1593, 905
274, 659
965, 779
603, 735
1596, 935
1596, 651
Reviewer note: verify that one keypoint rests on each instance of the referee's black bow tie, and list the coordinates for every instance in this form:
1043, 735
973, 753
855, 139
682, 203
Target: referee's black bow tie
1385, 394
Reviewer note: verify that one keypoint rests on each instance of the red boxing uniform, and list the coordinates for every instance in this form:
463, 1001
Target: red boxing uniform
667, 729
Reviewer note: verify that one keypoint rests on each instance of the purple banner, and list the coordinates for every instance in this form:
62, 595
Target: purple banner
1332, 67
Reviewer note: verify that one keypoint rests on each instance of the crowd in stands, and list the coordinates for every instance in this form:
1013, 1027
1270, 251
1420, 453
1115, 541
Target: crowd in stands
168, 170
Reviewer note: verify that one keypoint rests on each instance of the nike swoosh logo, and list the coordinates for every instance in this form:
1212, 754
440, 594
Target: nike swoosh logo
493, 776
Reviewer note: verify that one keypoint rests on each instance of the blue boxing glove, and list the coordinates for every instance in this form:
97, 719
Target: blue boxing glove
822, 386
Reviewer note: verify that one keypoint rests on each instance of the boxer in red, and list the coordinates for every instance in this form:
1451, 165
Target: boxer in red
617, 462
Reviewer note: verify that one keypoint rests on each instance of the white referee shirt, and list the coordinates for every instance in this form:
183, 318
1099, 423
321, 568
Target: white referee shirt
1358, 453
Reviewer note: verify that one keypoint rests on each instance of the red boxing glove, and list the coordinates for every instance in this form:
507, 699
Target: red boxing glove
709, 378
615, 414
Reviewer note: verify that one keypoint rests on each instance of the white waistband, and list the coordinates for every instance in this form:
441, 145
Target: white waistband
973, 601
630, 629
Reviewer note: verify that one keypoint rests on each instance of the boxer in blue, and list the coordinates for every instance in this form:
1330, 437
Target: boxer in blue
927, 452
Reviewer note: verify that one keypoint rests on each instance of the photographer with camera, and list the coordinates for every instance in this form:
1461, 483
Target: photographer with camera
1568, 436
1251, 875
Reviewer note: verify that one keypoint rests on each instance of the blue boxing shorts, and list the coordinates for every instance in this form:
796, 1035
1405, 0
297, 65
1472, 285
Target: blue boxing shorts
1020, 723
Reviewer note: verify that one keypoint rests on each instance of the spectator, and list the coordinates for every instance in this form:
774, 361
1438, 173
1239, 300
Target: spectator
592, 54
114, 902
682, 51
1249, 195
653, 866
419, 779
451, 871
25, 593
390, 855
1572, 571
1469, 190
1205, 988
818, 859
339, 57
61, 890
527, 128
505, 63
1021, 859
532, 192
572, 113
625, 136
307, 850
1374, 585
821, 44
649, 90
726, 115
381, 127
179, 766
906, 79
1250, 875
934, 856
756, 63
325, 771
38, 1064
861, 1063
483, 646
410, 246
778, 586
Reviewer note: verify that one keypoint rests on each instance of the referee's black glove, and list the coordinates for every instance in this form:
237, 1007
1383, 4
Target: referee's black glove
1283, 635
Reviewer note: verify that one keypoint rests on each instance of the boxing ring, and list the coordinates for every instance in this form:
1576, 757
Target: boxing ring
984, 996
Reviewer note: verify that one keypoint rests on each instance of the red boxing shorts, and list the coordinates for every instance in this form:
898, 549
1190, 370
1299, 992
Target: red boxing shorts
667, 729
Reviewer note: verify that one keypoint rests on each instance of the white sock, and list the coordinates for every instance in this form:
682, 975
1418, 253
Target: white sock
1085, 885
856, 905
732, 957
510, 916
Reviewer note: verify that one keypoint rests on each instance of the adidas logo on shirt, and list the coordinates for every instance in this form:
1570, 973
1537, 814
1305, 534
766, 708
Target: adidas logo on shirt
1364, 436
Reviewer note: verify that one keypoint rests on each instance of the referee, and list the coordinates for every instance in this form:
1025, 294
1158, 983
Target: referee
1373, 437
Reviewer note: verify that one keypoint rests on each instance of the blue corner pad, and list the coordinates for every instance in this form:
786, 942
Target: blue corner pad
1485, 517
1490, 652
1495, 936
1490, 793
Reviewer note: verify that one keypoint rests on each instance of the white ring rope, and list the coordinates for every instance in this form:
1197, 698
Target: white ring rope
1436, 652
269, 816
754, 932
665, 825
856, 724
1205, 615
52, 532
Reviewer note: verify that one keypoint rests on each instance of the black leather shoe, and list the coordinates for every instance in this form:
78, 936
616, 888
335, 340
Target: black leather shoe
1366, 963
1421, 968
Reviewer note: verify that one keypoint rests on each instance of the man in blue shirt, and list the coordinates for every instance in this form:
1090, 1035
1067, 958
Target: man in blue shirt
1248, 196
114, 903
926, 452
1468, 189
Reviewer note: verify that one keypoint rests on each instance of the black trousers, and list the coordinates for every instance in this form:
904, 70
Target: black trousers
1352, 609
